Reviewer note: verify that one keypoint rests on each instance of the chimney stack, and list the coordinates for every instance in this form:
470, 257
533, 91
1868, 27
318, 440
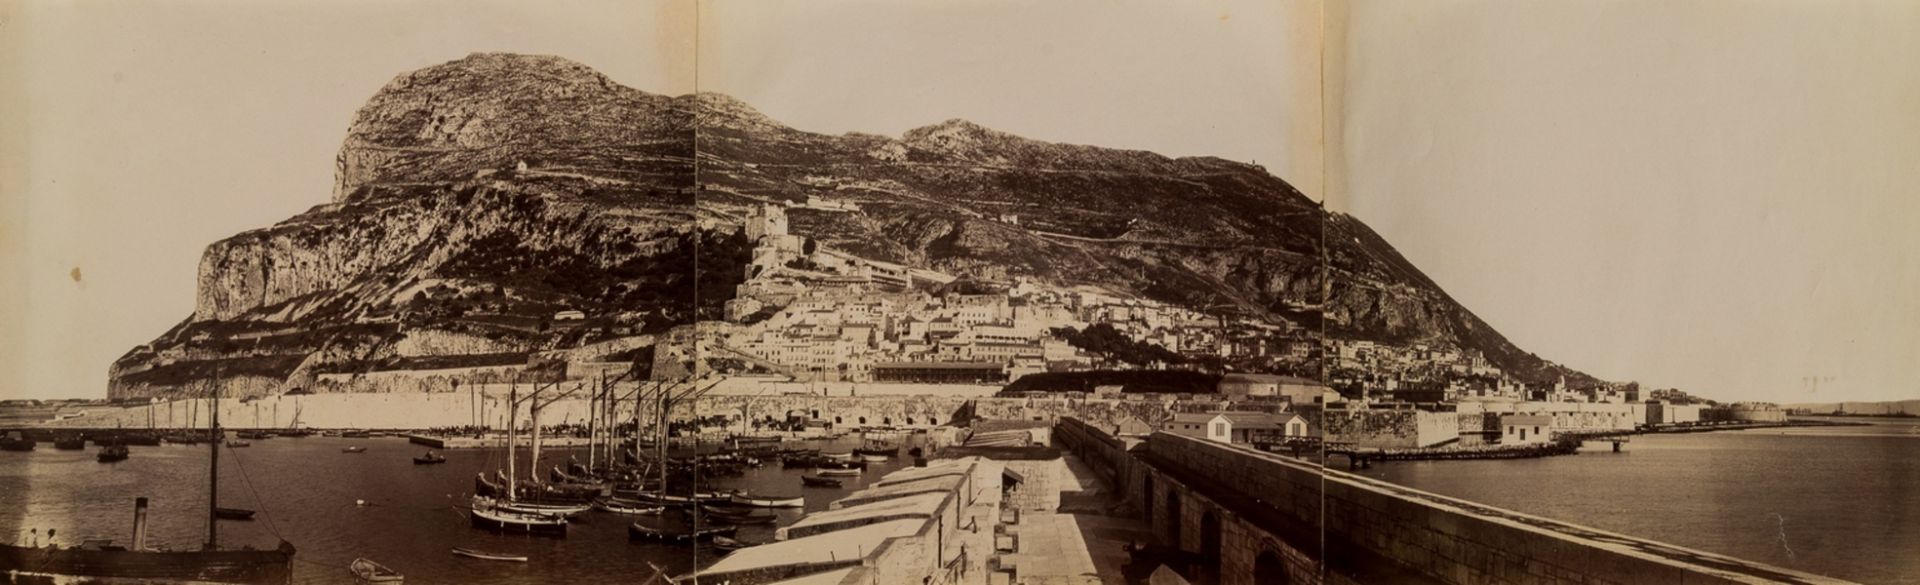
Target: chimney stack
140, 523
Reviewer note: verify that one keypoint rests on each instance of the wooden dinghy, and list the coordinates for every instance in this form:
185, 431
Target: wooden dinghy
367, 571
637, 531
488, 556
764, 501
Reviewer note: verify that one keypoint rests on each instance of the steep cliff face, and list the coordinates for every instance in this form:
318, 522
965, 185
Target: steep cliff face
476, 199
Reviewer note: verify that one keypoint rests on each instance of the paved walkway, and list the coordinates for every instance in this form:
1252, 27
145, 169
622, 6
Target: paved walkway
1078, 544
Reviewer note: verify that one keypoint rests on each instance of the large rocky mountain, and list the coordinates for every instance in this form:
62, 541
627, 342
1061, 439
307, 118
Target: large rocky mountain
478, 199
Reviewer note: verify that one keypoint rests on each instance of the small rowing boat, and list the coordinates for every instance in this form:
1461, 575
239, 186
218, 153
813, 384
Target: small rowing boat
353, 449
430, 458
487, 556
367, 571
750, 500
823, 471
627, 507
728, 544
636, 531
816, 481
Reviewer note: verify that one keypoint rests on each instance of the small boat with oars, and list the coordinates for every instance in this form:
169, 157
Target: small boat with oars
817, 481
431, 458
765, 501
113, 453
836, 472
353, 449
488, 556
747, 519
233, 513
367, 571
879, 448
235, 444
728, 544
627, 507
638, 531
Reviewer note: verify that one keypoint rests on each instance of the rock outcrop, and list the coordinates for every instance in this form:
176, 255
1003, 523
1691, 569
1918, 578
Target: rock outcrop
481, 198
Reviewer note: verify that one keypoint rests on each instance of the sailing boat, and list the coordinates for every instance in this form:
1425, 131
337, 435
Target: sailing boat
502, 515
102, 560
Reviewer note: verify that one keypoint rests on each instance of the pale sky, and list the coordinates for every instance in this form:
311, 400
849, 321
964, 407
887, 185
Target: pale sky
1719, 196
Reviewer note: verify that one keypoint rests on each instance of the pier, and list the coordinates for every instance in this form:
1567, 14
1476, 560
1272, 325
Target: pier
1247, 516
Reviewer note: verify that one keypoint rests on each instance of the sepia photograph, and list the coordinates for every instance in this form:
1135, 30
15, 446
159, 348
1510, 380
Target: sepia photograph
959, 292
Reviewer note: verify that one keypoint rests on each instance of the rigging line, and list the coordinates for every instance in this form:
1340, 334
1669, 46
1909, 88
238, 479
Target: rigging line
248, 479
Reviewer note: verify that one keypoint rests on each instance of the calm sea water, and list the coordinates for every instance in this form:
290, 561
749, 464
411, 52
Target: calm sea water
1836, 501
305, 491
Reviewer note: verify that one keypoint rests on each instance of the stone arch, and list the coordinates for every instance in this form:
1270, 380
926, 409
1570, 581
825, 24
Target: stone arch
863, 420
1269, 568
1210, 537
1174, 519
836, 420
933, 421
909, 421
816, 413
886, 420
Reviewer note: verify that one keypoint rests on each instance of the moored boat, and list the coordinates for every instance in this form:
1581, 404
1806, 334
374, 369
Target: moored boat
16, 441
526, 507
874, 458
638, 531
498, 519
367, 571
816, 481
112, 453
879, 448
431, 458
238, 444
728, 543
488, 556
627, 507
353, 449
826, 471
764, 501
98, 561
70, 444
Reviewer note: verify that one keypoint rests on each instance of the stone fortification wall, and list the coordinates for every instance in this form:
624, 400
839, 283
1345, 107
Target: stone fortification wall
1390, 429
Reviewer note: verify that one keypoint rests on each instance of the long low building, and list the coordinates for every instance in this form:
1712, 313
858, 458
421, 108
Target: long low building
911, 526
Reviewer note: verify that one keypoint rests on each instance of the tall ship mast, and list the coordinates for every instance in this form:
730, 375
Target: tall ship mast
136, 561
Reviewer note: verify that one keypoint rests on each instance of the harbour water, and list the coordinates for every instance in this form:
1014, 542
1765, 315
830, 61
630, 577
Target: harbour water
1836, 501
305, 490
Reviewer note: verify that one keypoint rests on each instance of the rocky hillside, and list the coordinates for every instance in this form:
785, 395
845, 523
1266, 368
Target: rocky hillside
478, 204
